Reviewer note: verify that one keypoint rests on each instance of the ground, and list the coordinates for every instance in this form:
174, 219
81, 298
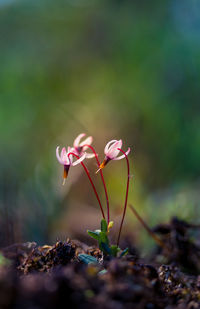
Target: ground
39, 277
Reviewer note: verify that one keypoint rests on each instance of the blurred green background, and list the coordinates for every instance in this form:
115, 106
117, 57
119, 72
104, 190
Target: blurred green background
113, 69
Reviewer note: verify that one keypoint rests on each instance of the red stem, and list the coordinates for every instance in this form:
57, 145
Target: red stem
147, 228
104, 184
126, 198
93, 186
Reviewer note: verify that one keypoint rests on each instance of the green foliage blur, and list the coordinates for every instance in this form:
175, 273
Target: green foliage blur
112, 69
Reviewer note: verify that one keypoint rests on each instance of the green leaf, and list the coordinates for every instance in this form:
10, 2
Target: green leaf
114, 250
104, 226
4, 261
103, 238
105, 248
87, 259
102, 272
94, 235
124, 252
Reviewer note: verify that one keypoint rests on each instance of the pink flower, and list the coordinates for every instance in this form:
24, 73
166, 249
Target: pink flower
111, 152
80, 147
66, 160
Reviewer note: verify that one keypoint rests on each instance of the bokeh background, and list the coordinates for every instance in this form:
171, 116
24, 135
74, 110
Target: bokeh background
113, 69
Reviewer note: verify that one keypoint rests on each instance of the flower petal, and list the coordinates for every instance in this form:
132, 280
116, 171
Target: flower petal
71, 157
123, 156
64, 156
58, 156
74, 151
63, 152
87, 141
113, 150
77, 140
90, 155
79, 160
108, 144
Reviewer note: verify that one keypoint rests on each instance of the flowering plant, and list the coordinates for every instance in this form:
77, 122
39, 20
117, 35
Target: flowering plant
111, 151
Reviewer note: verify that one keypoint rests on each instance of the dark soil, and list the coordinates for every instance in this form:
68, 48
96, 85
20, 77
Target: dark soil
54, 277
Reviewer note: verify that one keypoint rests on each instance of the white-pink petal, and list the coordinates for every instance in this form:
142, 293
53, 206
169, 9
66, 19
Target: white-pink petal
58, 156
63, 158
90, 155
123, 156
87, 141
71, 157
63, 152
79, 160
113, 150
77, 140
108, 144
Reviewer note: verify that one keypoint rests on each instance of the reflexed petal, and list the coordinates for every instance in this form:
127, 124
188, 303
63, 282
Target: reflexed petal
119, 144
71, 149
70, 157
63, 152
64, 156
123, 156
77, 140
113, 150
58, 156
87, 141
66, 160
90, 155
79, 160
112, 153
74, 151
108, 144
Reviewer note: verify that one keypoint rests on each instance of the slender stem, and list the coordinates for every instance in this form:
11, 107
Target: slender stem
126, 198
104, 184
93, 186
147, 228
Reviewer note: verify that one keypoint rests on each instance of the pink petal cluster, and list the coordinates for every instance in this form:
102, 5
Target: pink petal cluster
78, 149
111, 151
67, 160
64, 159
81, 147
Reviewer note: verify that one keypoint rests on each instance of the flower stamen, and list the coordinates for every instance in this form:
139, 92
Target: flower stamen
65, 173
103, 164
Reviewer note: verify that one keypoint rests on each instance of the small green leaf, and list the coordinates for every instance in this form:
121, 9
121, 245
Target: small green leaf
94, 235
114, 250
124, 252
105, 248
104, 226
103, 238
102, 272
87, 259
4, 261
